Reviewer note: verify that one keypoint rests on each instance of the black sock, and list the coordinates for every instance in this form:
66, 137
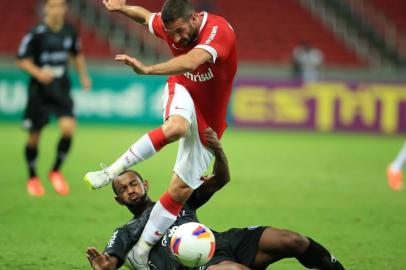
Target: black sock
316, 256
63, 148
31, 153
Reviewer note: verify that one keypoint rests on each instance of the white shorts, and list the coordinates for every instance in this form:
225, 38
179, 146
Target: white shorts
193, 157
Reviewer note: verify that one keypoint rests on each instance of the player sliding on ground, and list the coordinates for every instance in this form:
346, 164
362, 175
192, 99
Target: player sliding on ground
196, 96
236, 249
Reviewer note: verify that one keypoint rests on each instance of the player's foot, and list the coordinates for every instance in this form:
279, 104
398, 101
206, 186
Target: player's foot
97, 179
34, 187
58, 182
395, 178
138, 258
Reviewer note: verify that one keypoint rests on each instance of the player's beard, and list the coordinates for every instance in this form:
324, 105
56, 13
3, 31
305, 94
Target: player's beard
138, 203
192, 36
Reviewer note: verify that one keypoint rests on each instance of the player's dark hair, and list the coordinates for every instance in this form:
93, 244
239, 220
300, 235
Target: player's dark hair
127, 171
175, 9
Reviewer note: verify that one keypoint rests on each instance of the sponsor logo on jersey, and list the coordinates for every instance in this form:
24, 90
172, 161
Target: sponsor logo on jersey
200, 77
212, 34
168, 235
57, 56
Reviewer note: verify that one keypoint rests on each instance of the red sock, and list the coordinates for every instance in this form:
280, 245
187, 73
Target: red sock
158, 138
170, 204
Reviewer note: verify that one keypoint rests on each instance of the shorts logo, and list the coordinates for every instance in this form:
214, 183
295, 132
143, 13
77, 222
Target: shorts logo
251, 228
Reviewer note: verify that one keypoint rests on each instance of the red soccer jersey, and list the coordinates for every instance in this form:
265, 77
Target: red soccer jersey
210, 84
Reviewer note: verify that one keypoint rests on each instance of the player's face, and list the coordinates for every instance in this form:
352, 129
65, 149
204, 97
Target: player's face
131, 191
184, 32
55, 9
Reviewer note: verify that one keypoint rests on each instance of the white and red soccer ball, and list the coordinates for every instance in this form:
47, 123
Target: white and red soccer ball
193, 244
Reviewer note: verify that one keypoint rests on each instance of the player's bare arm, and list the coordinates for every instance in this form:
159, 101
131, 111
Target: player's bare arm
80, 64
137, 13
44, 76
100, 261
177, 65
221, 172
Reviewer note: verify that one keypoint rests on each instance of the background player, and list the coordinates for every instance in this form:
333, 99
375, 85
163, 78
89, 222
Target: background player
394, 170
195, 97
248, 248
43, 54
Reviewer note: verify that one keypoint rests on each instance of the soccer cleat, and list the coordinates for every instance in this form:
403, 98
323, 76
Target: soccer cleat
58, 182
97, 179
137, 259
34, 187
395, 178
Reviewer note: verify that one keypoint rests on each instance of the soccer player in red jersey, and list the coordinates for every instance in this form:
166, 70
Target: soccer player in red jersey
195, 97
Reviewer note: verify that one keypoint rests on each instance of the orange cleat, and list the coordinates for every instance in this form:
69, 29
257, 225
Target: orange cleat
58, 182
395, 179
34, 187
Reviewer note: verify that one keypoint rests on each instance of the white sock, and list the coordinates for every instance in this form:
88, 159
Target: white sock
159, 221
400, 160
138, 152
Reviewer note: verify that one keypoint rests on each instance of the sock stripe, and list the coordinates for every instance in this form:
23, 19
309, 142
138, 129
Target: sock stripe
170, 204
158, 138
171, 89
132, 152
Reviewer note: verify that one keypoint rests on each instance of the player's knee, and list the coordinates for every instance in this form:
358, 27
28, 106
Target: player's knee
176, 128
296, 243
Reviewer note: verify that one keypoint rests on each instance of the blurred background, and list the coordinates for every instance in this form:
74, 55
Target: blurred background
355, 51
318, 111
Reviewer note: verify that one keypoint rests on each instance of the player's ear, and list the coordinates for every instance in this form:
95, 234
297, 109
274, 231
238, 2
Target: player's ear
118, 200
146, 185
194, 17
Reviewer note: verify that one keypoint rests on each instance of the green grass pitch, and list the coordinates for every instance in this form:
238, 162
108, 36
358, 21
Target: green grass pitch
331, 187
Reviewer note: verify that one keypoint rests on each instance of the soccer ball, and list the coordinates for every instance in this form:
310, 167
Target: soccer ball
193, 244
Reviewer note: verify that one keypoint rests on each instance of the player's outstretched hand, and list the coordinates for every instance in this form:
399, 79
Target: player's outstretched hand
86, 82
212, 139
113, 5
136, 65
99, 261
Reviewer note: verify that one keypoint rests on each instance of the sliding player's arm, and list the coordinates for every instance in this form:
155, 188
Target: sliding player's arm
177, 65
101, 261
220, 176
137, 13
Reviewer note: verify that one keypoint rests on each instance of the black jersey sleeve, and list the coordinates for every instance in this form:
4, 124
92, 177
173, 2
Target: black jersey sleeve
28, 46
75, 48
118, 245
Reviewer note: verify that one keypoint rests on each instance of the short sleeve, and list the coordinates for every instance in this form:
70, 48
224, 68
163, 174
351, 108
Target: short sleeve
156, 26
75, 47
27, 48
218, 40
118, 245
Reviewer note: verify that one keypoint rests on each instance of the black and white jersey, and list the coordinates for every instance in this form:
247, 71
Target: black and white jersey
125, 237
49, 49
160, 257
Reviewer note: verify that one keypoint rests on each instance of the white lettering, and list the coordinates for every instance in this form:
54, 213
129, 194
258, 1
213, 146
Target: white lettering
53, 56
13, 97
200, 77
112, 239
212, 34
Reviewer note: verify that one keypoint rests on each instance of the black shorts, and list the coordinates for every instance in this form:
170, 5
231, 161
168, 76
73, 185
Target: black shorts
237, 245
45, 101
